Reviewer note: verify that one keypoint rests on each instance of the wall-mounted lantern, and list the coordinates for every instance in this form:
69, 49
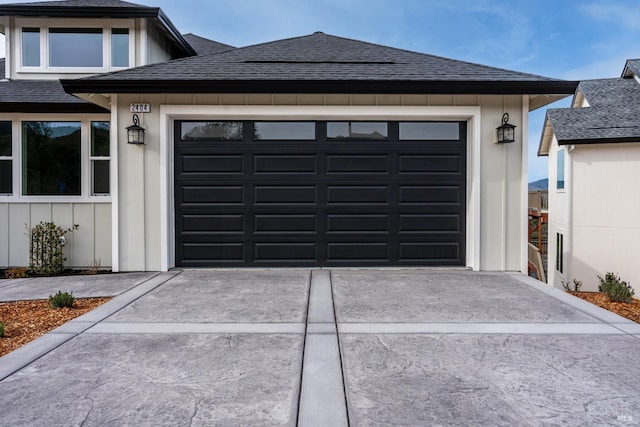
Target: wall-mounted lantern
506, 131
135, 133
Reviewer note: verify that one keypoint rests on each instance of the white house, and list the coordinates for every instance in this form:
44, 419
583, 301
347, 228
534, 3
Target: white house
311, 151
594, 171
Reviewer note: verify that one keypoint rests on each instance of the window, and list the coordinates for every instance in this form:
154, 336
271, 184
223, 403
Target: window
560, 252
75, 47
560, 170
6, 168
357, 130
275, 131
120, 47
100, 158
51, 158
222, 131
429, 131
31, 47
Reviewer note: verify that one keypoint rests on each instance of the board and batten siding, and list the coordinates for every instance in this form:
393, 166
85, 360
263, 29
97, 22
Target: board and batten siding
91, 241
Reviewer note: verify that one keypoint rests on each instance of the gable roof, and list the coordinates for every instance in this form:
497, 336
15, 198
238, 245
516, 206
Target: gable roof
204, 46
319, 63
613, 114
40, 96
98, 9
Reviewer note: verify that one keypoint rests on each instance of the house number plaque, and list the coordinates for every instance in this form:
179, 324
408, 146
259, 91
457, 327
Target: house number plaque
140, 108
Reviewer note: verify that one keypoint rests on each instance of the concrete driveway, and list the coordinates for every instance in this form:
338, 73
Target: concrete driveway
411, 347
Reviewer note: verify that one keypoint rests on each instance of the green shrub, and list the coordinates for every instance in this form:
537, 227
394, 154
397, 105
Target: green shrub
615, 288
61, 299
1, 329
46, 255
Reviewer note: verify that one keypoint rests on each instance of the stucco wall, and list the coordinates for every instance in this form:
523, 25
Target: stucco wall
141, 172
606, 213
558, 219
91, 241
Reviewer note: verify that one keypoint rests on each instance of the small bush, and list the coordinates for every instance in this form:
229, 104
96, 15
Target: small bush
615, 288
1, 329
16, 273
577, 284
61, 299
93, 266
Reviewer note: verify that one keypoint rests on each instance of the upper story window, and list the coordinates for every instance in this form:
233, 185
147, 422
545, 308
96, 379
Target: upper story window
74, 48
560, 170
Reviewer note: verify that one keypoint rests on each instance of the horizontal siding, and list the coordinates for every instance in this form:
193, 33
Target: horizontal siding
91, 241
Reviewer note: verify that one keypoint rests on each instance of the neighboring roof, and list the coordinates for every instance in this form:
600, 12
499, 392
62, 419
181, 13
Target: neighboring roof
204, 46
319, 63
613, 115
40, 96
97, 9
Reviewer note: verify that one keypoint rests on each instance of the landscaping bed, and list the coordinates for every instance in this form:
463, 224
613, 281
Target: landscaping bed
25, 321
628, 310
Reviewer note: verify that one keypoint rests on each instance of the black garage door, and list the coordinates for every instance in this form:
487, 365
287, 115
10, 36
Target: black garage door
257, 193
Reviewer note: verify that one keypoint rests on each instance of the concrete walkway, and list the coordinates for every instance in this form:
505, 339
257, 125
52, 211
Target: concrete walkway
325, 348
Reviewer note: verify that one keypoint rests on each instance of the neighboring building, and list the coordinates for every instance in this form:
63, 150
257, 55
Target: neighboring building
311, 151
594, 171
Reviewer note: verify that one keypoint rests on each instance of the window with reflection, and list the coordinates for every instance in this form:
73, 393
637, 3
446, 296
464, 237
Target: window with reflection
284, 131
31, 47
120, 47
75, 47
100, 158
427, 131
357, 130
51, 156
6, 161
222, 131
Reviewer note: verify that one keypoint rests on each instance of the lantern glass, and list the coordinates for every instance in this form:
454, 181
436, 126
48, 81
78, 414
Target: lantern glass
506, 131
135, 133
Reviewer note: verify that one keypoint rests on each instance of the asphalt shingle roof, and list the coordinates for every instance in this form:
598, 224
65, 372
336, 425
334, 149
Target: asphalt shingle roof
39, 96
613, 114
77, 3
318, 58
204, 46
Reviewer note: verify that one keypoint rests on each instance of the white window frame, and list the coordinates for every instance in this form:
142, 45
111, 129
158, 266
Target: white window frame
564, 170
85, 162
45, 25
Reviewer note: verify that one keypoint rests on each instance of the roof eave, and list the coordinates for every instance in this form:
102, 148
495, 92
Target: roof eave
50, 107
546, 137
618, 140
321, 86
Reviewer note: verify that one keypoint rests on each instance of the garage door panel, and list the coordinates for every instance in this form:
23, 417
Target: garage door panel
212, 164
357, 251
347, 194
421, 223
285, 251
355, 223
282, 224
193, 223
437, 251
214, 252
412, 195
213, 195
430, 164
285, 195
266, 164
371, 164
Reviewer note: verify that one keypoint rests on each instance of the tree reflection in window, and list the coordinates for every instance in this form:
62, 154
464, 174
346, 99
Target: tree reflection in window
51, 158
225, 131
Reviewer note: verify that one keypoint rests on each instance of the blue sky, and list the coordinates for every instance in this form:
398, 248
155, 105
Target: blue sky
567, 39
